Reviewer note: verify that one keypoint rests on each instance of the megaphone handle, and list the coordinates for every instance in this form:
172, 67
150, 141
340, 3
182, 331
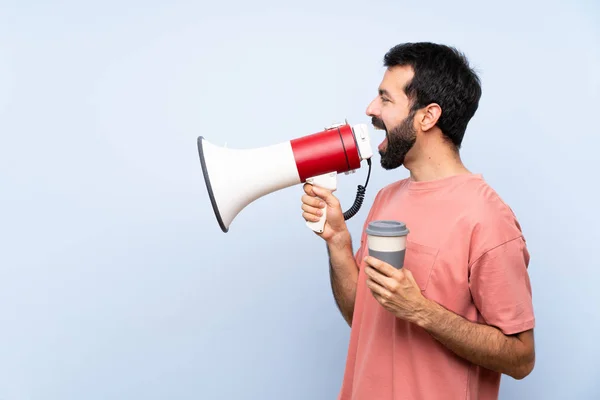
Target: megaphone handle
326, 181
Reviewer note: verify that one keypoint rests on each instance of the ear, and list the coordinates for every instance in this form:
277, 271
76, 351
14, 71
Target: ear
431, 115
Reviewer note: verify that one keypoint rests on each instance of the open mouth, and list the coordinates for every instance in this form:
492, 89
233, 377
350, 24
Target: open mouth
384, 143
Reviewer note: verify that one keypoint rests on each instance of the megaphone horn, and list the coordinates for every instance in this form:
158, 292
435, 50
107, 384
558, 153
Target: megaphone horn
235, 178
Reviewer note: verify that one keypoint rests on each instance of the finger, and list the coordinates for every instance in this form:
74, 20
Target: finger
377, 289
378, 278
313, 201
410, 277
326, 195
308, 189
383, 267
312, 210
379, 299
311, 217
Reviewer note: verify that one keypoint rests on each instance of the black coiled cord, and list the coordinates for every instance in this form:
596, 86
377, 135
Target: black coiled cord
360, 196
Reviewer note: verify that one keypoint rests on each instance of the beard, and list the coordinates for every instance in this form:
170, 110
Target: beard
400, 140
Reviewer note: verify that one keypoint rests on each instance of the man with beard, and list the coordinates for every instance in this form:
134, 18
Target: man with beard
459, 314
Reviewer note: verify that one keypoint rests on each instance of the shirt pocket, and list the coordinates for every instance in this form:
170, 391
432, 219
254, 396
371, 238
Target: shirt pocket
420, 260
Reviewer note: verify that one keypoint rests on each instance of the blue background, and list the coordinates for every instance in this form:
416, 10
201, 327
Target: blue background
115, 279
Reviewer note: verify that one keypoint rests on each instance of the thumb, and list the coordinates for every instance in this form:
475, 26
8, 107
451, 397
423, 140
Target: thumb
410, 277
326, 195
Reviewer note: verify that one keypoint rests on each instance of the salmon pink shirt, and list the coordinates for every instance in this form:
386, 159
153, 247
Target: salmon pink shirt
466, 252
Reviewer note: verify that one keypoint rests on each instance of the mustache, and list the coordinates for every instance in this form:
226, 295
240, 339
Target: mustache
378, 123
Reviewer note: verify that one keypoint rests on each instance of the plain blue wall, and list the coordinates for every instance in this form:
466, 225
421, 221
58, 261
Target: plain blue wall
115, 280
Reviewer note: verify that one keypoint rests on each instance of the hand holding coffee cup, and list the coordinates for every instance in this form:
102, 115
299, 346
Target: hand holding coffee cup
392, 286
386, 240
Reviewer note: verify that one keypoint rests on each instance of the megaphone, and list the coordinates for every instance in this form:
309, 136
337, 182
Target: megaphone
235, 178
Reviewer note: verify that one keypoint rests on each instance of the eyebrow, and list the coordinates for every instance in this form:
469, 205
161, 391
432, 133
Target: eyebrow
383, 92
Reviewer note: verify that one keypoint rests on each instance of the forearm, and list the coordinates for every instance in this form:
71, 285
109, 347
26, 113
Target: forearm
480, 344
343, 273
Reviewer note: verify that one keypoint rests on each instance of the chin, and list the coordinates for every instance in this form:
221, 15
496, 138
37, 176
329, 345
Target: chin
388, 164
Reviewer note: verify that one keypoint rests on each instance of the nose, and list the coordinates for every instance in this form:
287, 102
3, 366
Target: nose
373, 109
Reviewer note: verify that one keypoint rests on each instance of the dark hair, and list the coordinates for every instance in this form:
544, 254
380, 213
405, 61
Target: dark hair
441, 75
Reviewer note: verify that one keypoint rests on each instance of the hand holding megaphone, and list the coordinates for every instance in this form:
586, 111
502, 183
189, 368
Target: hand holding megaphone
322, 211
236, 177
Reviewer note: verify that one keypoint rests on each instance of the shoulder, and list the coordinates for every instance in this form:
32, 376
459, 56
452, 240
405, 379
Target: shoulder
493, 221
392, 189
383, 197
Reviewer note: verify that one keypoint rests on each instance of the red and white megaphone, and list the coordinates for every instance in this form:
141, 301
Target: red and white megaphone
236, 177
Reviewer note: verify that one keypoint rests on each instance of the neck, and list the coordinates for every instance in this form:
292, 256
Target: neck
436, 161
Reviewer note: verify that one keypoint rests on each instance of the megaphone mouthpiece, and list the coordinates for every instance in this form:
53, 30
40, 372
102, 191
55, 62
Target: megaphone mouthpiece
236, 177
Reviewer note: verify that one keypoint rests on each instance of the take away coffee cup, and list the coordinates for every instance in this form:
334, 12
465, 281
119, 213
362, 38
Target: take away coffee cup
386, 240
